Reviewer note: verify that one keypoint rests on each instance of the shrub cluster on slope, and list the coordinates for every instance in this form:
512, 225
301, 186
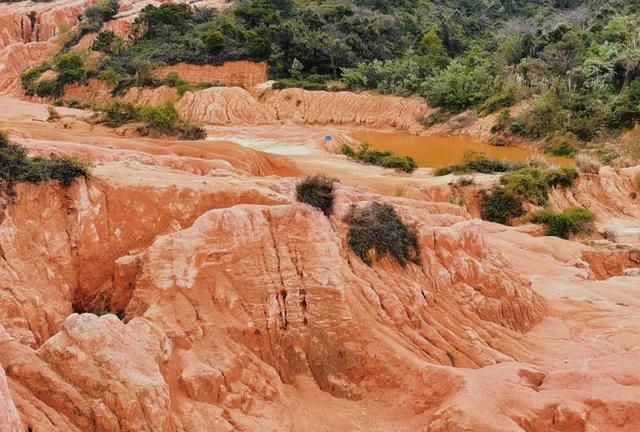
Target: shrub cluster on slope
571, 221
529, 181
162, 120
386, 159
378, 227
68, 68
317, 191
17, 167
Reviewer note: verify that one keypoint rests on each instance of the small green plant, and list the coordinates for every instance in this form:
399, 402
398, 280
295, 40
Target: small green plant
571, 221
317, 191
53, 113
386, 159
463, 181
500, 206
378, 227
104, 41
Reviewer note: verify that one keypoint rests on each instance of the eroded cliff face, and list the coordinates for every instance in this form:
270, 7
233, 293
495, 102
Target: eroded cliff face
232, 295
243, 310
9, 418
27, 35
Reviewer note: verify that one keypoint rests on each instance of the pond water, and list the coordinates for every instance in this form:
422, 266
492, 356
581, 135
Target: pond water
437, 151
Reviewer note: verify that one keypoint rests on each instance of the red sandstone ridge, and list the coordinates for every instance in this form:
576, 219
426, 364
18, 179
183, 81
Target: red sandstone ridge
362, 109
224, 106
232, 106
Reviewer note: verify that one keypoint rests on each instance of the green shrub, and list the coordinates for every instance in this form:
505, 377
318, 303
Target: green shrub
377, 226
17, 167
119, 112
528, 184
29, 77
571, 221
500, 205
533, 184
502, 99
317, 191
95, 16
474, 162
161, 119
70, 67
562, 177
460, 85
385, 159
104, 41
347, 150
49, 88
189, 131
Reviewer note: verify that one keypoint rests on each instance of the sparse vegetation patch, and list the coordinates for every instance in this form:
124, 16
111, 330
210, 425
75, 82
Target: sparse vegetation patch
162, 120
386, 159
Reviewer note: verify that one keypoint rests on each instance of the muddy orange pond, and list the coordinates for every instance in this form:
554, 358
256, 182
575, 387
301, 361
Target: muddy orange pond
437, 151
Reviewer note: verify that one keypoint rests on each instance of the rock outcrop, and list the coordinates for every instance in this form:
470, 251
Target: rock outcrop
25, 22
346, 108
9, 419
224, 106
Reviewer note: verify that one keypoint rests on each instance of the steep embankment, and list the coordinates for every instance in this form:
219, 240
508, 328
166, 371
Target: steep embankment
27, 34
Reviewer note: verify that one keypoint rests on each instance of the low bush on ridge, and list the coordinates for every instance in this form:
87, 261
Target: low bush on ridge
317, 191
500, 206
505, 201
378, 227
17, 167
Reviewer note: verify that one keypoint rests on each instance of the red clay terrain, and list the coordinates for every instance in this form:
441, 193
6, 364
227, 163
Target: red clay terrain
181, 286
